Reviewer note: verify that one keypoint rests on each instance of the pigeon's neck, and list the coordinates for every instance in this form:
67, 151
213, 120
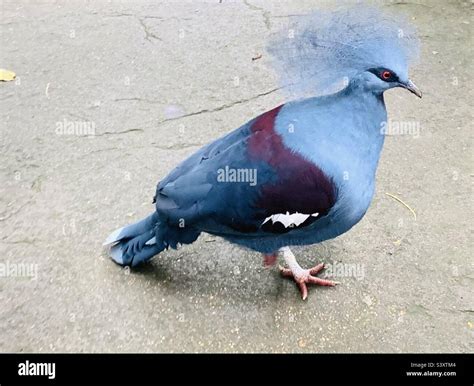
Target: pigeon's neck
338, 132
367, 111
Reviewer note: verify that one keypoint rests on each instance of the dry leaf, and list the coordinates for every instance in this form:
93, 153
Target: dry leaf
6, 76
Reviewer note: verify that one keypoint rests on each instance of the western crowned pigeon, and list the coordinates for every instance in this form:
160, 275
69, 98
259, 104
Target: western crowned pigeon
301, 173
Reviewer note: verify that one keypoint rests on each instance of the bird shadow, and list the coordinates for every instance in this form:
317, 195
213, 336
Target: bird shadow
223, 271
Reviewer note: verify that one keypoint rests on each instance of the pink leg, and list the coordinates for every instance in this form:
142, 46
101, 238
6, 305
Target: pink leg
303, 276
269, 260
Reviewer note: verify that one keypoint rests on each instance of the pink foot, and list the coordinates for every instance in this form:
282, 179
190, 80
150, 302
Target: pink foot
269, 260
304, 276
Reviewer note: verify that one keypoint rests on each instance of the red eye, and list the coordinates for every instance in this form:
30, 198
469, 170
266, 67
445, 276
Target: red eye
386, 75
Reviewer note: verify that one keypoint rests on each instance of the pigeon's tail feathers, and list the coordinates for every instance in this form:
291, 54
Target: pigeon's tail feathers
132, 230
135, 243
133, 251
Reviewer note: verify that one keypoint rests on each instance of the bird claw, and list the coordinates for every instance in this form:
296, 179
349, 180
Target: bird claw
304, 277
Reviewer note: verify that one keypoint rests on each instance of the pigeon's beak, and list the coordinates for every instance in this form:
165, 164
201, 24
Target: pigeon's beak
410, 86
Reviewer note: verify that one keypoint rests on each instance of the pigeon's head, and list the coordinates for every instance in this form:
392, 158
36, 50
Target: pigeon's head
324, 50
380, 79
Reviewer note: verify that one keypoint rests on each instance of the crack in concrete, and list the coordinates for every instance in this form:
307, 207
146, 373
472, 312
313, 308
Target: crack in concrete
167, 18
148, 34
163, 18
25, 241
265, 14
195, 113
137, 99
9, 215
289, 15
121, 15
178, 146
117, 132
175, 146
407, 3
220, 108
100, 151
141, 19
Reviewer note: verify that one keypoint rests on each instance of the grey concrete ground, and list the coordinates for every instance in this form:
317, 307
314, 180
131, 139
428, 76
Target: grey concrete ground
155, 81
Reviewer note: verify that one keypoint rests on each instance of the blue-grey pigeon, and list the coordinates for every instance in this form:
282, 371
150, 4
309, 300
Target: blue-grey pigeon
301, 173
